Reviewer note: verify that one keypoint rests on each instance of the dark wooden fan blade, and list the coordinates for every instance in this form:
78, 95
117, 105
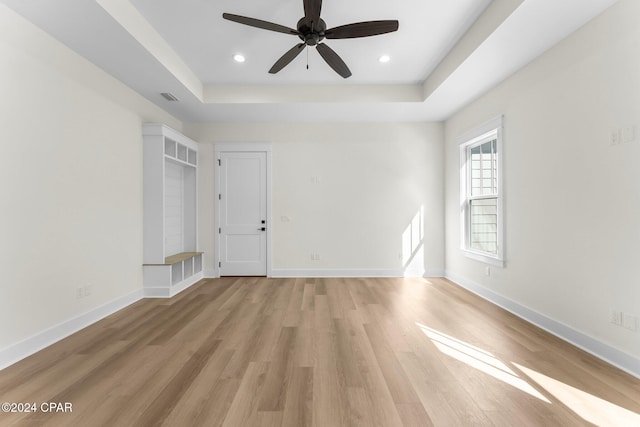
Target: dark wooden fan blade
361, 29
258, 23
333, 60
312, 9
287, 58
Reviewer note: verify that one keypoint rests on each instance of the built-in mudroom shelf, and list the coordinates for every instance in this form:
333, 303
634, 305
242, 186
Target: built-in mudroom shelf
172, 262
178, 272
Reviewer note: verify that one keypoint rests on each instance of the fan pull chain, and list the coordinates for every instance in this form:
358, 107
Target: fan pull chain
307, 58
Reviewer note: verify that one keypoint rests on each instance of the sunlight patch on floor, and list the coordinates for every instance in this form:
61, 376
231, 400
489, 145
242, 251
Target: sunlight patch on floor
479, 359
591, 408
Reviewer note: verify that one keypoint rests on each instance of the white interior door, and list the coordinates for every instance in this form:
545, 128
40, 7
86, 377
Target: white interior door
243, 214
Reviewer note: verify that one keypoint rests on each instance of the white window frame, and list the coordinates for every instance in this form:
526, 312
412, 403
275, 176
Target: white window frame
479, 135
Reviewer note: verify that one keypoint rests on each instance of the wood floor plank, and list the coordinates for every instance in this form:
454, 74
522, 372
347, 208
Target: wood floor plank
298, 407
379, 398
413, 415
329, 399
308, 295
273, 393
305, 348
360, 344
246, 341
243, 409
269, 419
170, 395
214, 409
346, 356
319, 352
359, 410
399, 386
206, 390
266, 338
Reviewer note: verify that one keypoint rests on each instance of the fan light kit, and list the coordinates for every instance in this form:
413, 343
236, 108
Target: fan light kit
311, 30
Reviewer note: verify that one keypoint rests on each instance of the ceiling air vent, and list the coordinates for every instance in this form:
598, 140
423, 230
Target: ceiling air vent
169, 96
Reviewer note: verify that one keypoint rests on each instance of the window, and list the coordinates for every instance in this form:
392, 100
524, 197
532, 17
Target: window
481, 193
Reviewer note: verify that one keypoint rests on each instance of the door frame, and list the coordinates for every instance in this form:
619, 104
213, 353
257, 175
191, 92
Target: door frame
238, 147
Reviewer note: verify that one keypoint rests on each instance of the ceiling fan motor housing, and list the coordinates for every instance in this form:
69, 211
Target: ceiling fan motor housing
311, 32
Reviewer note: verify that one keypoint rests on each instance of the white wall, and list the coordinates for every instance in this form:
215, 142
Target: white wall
70, 183
373, 180
572, 201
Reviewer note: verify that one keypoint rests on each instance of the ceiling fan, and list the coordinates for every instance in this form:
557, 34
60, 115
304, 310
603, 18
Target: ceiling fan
311, 29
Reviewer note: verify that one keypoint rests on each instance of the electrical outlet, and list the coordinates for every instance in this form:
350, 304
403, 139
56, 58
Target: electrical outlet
616, 317
614, 138
88, 290
623, 135
627, 134
629, 321
79, 292
315, 256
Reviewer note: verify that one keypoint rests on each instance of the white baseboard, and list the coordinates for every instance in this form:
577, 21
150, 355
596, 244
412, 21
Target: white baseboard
28, 346
302, 272
348, 272
159, 292
615, 357
433, 273
210, 274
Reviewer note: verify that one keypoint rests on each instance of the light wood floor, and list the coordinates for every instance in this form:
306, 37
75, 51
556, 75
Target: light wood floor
319, 352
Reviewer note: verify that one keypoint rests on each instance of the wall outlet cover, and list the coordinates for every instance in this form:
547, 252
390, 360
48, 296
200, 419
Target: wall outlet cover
630, 322
615, 317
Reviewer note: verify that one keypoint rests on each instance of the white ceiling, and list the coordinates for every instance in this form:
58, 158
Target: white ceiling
445, 53
428, 29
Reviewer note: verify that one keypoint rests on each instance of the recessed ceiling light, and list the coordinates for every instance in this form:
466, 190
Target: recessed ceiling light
238, 58
384, 59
